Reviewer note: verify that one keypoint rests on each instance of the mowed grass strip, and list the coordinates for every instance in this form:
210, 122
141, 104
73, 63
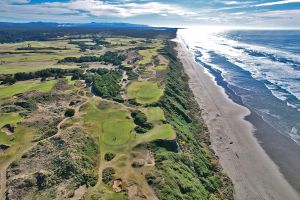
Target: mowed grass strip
24, 86
144, 92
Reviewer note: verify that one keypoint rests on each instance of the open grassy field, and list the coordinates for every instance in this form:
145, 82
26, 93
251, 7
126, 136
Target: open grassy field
23, 86
144, 91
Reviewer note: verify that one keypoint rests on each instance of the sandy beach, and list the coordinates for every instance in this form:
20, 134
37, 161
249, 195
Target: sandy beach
254, 174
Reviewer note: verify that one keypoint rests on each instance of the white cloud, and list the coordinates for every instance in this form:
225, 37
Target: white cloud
139, 11
277, 3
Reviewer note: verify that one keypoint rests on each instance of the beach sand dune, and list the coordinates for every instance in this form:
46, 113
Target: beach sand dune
253, 173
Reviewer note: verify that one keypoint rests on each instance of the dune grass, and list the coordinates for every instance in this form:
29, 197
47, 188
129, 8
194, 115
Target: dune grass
144, 92
23, 86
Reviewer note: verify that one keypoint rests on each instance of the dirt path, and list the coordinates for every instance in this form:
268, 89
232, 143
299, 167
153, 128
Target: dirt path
253, 173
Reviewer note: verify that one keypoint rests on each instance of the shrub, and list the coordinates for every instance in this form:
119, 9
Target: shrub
109, 156
108, 175
70, 112
140, 119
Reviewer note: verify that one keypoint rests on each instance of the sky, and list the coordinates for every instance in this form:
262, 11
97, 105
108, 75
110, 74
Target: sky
175, 13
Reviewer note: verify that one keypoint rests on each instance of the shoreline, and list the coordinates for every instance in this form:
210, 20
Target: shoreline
252, 172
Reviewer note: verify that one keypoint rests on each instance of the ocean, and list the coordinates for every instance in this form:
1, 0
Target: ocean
259, 69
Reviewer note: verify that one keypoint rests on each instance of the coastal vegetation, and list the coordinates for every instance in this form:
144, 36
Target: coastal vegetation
114, 125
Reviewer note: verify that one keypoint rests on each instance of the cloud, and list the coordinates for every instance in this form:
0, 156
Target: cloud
277, 3
97, 8
149, 12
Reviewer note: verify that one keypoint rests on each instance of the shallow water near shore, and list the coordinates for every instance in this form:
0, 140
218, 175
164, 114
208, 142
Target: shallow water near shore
261, 71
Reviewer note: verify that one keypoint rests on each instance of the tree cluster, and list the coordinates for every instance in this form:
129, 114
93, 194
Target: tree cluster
140, 119
109, 57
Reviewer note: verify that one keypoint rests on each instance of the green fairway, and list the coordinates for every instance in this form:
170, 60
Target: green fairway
116, 128
154, 114
40, 44
159, 132
23, 86
144, 91
111, 121
30, 67
32, 58
160, 68
147, 55
9, 118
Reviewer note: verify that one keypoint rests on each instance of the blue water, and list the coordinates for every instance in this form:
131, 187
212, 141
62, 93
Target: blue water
260, 69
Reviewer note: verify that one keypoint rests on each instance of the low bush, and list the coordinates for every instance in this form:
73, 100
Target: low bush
109, 156
108, 175
140, 119
70, 112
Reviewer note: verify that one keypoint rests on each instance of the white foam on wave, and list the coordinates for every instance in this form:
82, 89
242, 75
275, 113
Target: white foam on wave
279, 74
294, 135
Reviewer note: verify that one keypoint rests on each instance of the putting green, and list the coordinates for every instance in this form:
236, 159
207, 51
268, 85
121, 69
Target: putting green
159, 132
144, 92
154, 114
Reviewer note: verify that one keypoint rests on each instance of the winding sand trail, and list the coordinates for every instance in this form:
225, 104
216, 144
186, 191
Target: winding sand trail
254, 175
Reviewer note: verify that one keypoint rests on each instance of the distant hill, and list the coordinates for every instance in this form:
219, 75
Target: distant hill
17, 32
92, 24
